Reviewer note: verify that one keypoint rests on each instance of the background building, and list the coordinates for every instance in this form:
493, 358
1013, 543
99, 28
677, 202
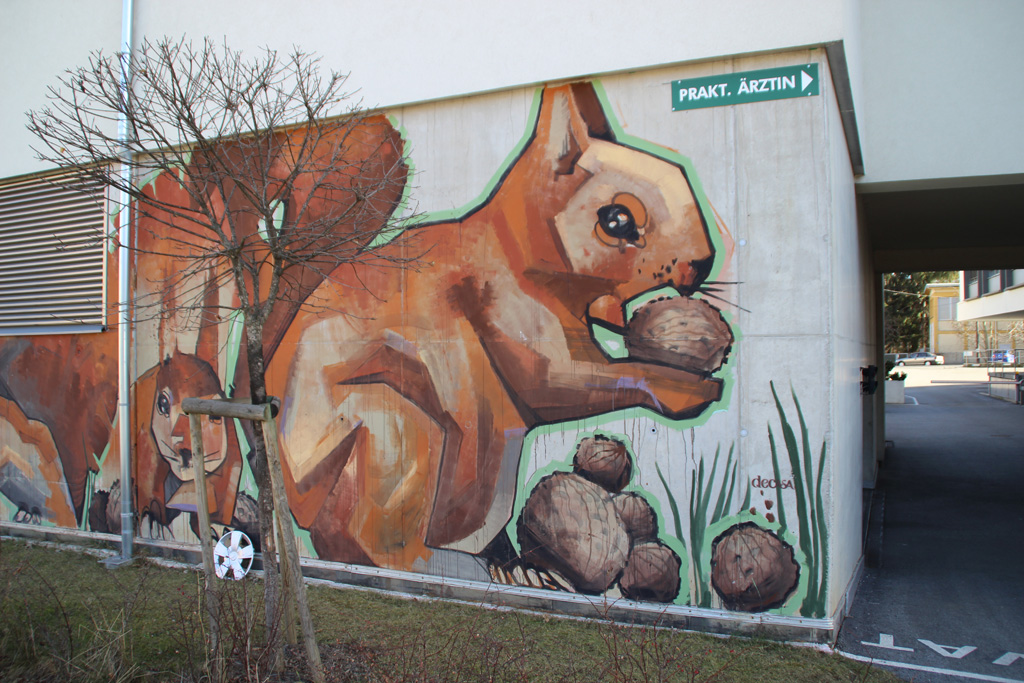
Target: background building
944, 333
992, 311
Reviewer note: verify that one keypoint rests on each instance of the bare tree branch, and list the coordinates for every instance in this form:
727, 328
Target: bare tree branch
258, 177
278, 170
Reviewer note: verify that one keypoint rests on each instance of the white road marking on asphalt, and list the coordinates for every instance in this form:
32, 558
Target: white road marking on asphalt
949, 650
929, 669
886, 641
1008, 659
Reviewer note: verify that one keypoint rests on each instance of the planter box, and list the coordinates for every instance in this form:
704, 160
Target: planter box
895, 390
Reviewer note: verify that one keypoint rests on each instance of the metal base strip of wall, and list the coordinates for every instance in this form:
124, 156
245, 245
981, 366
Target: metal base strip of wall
772, 626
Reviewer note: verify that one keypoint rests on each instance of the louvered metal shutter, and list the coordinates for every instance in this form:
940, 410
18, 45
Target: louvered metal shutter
52, 275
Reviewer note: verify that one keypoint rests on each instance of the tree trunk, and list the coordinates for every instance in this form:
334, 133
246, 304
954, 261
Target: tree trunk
265, 501
271, 488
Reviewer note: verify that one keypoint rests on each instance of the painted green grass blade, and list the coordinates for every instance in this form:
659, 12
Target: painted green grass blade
806, 534
694, 503
791, 447
674, 507
798, 480
778, 477
90, 485
696, 514
697, 518
732, 485
671, 503
700, 522
812, 507
700, 483
695, 546
815, 559
823, 585
705, 500
723, 492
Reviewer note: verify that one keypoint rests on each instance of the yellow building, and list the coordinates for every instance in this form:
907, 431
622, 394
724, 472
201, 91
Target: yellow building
944, 332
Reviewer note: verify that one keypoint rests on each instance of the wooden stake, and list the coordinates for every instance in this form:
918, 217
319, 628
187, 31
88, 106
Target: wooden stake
294, 570
287, 590
291, 571
206, 538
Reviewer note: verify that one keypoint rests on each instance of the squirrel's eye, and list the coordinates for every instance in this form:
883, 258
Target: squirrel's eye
617, 221
163, 403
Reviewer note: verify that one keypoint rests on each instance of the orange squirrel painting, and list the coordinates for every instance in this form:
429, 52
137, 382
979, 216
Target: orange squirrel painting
403, 419
190, 336
402, 424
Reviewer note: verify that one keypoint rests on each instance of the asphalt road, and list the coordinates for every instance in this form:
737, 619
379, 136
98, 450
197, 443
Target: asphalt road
944, 600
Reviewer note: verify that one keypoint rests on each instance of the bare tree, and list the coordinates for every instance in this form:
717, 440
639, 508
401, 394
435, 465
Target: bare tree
280, 180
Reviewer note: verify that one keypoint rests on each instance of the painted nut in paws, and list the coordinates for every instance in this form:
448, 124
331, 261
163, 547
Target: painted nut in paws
680, 332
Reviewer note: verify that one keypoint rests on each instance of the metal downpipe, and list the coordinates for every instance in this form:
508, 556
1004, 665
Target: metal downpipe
123, 292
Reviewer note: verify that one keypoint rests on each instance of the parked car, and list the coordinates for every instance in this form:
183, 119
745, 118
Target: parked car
920, 358
1000, 356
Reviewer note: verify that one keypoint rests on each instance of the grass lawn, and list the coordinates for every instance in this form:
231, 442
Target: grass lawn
66, 617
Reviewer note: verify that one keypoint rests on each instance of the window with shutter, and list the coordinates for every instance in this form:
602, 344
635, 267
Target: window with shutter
52, 260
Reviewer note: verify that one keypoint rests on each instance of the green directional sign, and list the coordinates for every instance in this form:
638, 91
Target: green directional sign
745, 86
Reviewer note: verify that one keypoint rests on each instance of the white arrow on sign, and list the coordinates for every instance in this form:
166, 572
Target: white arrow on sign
949, 650
805, 80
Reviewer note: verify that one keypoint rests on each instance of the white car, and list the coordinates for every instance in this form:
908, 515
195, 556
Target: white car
920, 358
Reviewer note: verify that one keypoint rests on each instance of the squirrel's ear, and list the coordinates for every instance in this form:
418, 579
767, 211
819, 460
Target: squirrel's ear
570, 117
588, 108
207, 341
561, 130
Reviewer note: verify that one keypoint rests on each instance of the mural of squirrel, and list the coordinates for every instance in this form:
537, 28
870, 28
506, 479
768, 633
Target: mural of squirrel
403, 420
404, 417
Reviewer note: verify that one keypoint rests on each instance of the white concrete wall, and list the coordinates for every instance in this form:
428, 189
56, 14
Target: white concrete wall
779, 179
775, 173
851, 285
402, 52
779, 176
38, 41
933, 81
942, 96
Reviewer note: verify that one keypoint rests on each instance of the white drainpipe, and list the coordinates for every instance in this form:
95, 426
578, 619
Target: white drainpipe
123, 314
